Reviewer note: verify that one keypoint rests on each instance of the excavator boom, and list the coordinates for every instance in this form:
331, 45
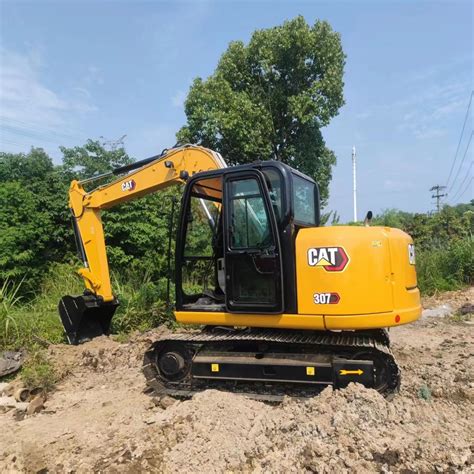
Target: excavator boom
89, 315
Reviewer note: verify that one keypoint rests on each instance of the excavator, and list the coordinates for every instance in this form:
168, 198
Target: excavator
285, 306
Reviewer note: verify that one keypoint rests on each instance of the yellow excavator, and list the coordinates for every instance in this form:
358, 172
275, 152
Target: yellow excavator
286, 306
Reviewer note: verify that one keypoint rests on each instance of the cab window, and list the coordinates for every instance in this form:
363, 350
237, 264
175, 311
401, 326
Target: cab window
304, 200
250, 225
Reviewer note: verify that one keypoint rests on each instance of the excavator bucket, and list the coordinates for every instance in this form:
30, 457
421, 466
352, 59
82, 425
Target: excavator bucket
85, 317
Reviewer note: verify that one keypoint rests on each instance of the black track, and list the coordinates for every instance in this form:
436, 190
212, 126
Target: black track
364, 345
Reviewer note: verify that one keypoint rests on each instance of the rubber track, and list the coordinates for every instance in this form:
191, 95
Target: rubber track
374, 341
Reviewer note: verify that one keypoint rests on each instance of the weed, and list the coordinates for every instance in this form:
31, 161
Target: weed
9, 299
448, 268
38, 371
424, 393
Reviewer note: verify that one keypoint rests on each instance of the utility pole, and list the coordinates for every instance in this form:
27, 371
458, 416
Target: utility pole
437, 194
354, 182
113, 144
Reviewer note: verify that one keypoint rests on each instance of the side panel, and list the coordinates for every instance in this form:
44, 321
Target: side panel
344, 270
298, 321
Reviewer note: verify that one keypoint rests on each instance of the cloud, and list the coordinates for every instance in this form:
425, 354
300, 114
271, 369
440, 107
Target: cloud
426, 113
424, 132
32, 113
438, 69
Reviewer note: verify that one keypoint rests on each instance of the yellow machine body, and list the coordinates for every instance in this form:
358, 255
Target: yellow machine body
376, 287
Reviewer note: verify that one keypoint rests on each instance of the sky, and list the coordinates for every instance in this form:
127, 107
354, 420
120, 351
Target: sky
74, 70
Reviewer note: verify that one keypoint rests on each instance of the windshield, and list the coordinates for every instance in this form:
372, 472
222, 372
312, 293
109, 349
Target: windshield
304, 200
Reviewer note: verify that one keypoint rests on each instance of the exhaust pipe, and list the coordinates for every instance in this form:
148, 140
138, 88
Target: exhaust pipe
85, 317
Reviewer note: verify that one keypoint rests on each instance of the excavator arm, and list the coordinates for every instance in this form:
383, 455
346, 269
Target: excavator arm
89, 315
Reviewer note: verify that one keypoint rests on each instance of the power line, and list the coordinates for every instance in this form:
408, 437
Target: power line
460, 138
463, 181
462, 161
438, 188
466, 188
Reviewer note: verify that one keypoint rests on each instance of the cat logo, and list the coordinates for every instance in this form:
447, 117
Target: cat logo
128, 185
332, 259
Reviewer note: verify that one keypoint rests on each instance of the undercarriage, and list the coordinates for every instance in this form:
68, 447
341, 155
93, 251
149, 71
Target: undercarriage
268, 364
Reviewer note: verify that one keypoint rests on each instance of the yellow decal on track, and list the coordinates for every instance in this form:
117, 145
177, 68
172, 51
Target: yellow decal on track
310, 371
351, 372
214, 367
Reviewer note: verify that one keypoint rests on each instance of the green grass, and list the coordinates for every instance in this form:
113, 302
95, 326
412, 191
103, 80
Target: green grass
35, 322
447, 268
9, 300
26, 323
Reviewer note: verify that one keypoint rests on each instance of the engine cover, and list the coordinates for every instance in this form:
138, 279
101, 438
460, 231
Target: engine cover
344, 273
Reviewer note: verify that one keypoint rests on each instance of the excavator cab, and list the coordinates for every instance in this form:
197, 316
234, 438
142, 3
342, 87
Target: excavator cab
233, 224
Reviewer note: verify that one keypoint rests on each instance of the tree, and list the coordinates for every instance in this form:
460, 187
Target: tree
34, 219
270, 98
92, 159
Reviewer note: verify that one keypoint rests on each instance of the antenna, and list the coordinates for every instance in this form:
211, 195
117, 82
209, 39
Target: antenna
354, 181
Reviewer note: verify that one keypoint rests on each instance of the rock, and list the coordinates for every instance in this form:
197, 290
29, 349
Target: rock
21, 406
19, 415
166, 402
10, 362
3, 386
467, 308
7, 402
438, 312
36, 405
12, 387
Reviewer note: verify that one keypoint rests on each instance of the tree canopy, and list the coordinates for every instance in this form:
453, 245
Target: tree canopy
270, 98
35, 225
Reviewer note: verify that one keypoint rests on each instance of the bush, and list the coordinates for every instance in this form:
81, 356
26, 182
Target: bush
25, 323
450, 268
142, 303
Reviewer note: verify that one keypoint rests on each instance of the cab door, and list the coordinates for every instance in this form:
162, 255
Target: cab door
252, 261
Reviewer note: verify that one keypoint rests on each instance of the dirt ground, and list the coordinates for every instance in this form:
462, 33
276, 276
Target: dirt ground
100, 420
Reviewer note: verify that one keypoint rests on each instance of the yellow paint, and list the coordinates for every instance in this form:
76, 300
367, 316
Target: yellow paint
351, 372
299, 321
377, 284
310, 371
214, 367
